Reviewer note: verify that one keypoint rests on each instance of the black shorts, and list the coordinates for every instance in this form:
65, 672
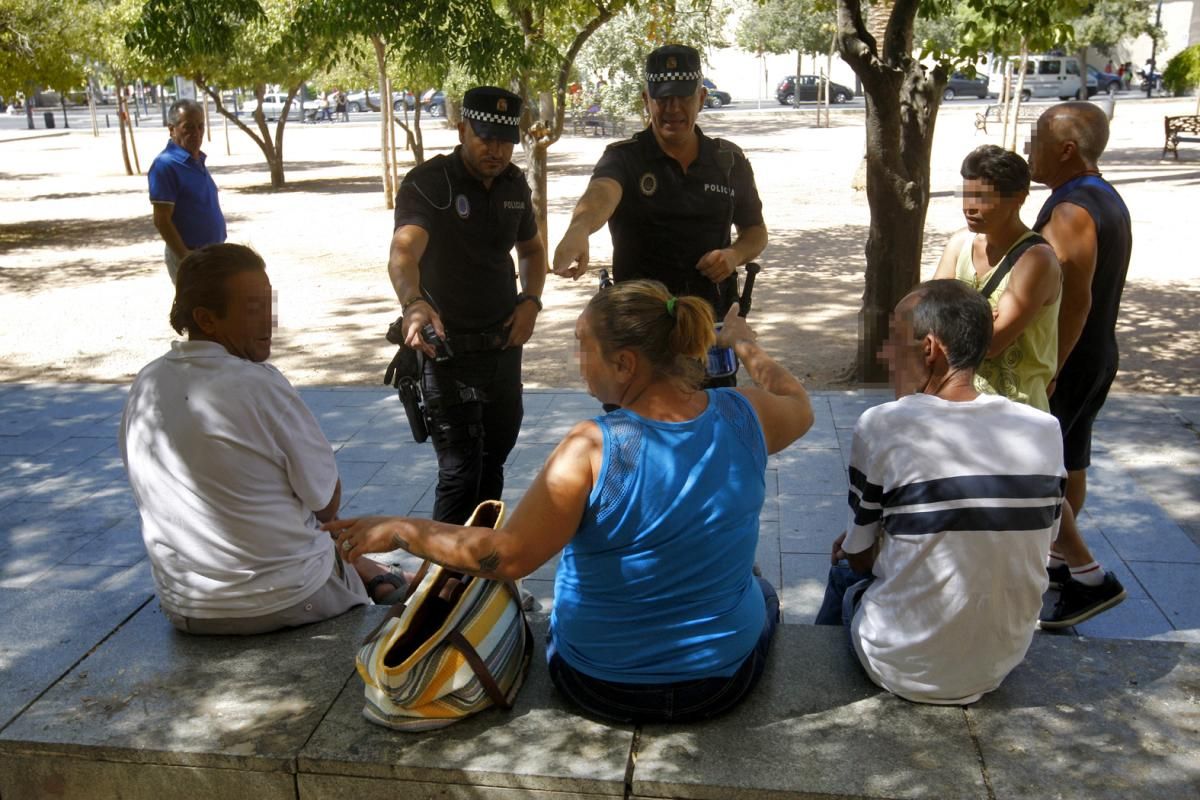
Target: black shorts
1078, 397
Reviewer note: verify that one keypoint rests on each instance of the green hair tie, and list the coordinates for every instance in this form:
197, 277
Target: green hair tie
671, 306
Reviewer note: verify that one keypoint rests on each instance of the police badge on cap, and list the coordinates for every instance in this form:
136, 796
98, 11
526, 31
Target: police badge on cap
494, 113
673, 71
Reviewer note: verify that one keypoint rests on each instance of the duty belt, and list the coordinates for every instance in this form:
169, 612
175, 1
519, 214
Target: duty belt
482, 342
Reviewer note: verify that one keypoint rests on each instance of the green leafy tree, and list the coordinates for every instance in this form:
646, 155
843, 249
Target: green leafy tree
417, 42
1182, 73
551, 36
226, 43
785, 26
614, 59
903, 96
42, 44
1106, 23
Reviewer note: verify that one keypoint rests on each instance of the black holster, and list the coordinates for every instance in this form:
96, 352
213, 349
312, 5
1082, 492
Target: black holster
404, 373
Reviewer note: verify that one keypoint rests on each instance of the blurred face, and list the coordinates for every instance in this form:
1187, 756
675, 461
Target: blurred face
246, 327
903, 352
484, 158
188, 133
599, 373
1044, 152
986, 208
674, 118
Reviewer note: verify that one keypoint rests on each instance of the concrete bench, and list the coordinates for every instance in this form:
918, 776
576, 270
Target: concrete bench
150, 713
1174, 127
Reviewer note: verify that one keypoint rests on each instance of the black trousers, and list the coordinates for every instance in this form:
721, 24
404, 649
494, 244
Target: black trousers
473, 432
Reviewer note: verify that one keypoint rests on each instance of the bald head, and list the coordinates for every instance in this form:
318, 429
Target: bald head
1084, 124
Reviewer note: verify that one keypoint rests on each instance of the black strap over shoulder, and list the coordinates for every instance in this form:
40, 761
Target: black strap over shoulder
1006, 265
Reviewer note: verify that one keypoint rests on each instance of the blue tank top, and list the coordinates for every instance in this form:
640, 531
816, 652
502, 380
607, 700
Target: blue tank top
657, 584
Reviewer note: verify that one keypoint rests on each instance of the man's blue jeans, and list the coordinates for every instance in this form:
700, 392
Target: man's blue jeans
843, 591
684, 701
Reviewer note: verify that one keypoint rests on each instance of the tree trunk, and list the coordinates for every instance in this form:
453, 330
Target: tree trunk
120, 87
902, 103
272, 148
1083, 73
796, 82
1017, 97
91, 98
898, 196
389, 190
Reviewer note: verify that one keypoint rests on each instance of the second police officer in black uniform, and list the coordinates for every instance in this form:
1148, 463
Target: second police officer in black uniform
670, 194
458, 216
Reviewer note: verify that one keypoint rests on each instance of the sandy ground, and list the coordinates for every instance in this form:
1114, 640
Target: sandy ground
85, 295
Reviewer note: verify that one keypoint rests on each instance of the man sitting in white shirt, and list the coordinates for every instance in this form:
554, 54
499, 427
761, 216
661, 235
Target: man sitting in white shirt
230, 471
954, 498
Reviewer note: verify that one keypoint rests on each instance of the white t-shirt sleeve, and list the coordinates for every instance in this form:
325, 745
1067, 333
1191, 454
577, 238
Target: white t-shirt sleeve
306, 454
866, 493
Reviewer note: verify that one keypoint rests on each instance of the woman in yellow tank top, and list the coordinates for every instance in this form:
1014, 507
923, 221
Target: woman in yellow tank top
1023, 357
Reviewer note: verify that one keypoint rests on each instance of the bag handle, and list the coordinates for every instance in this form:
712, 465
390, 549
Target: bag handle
488, 514
398, 608
1010, 259
482, 672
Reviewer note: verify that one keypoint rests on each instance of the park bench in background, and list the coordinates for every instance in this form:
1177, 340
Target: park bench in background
995, 115
1177, 125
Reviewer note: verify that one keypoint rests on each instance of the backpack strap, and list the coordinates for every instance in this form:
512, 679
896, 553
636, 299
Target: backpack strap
1009, 260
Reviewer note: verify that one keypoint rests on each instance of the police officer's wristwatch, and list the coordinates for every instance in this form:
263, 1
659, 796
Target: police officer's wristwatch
533, 298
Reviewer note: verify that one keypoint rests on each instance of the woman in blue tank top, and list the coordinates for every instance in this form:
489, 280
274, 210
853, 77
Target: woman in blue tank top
658, 615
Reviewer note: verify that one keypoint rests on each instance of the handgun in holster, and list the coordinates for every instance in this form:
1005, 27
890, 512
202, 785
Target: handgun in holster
404, 373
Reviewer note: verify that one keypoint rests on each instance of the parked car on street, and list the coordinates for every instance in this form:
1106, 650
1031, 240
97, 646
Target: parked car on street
716, 98
433, 103
960, 85
273, 104
1107, 82
807, 91
357, 102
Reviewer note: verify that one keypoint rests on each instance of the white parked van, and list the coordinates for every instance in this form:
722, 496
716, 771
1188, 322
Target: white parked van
1045, 76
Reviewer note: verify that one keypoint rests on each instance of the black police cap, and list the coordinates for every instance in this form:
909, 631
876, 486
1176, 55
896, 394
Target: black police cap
673, 70
494, 113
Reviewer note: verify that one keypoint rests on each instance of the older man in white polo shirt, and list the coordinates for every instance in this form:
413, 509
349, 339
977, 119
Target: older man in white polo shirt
230, 471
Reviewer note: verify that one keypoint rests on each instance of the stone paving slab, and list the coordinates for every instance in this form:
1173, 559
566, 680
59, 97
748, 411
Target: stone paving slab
1094, 720
814, 727
43, 634
540, 745
152, 696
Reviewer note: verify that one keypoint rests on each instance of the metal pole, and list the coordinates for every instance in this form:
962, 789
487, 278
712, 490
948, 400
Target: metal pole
1154, 49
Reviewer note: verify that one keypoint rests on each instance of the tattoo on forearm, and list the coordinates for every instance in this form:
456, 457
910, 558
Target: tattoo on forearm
490, 562
400, 543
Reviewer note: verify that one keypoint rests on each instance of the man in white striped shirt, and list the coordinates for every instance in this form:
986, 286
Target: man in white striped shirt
955, 497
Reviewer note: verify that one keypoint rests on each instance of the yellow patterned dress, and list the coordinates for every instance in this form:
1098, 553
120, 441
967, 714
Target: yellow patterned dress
1022, 370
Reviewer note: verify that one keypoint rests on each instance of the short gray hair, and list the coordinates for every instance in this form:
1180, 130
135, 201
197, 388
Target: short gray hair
181, 108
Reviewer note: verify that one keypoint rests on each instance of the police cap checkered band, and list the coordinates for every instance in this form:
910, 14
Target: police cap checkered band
490, 117
655, 77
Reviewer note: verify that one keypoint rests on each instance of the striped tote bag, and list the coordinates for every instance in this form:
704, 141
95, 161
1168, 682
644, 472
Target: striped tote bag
457, 645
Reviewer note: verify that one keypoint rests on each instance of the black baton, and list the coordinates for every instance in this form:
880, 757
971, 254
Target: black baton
752, 269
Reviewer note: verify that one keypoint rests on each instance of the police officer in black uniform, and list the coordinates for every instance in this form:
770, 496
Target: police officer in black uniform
670, 194
458, 216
